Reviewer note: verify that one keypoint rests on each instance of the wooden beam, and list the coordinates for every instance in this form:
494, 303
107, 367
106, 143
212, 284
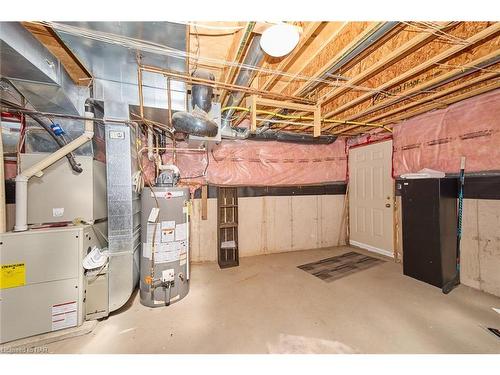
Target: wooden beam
204, 202
325, 67
283, 65
439, 80
438, 105
317, 121
282, 104
216, 84
46, 36
454, 99
253, 113
427, 99
332, 61
475, 39
437, 95
400, 53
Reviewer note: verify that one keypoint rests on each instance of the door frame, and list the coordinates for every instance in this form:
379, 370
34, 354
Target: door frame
394, 213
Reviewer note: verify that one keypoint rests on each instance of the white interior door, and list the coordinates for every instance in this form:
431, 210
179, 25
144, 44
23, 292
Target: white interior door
371, 197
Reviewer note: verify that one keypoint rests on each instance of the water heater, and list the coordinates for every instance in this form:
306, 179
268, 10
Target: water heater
164, 267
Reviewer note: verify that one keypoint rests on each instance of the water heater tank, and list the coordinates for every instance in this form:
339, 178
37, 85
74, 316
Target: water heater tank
165, 245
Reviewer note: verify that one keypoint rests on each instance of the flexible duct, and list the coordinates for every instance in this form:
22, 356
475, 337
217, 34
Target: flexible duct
198, 122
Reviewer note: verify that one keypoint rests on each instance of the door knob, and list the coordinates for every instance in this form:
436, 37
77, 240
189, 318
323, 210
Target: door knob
388, 205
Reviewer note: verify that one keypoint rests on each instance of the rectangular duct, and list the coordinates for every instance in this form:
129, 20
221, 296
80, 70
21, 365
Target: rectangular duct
36, 73
124, 209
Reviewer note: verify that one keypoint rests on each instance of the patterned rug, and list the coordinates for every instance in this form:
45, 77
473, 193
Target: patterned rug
331, 269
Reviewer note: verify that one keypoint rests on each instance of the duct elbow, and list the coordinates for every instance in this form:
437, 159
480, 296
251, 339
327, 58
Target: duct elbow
228, 132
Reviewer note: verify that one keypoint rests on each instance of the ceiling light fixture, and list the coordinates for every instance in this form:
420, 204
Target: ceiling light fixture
280, 39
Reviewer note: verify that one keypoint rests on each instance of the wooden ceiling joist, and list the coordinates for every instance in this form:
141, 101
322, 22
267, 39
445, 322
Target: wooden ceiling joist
454, 74
472, 41
491, 86
363, 72
433, 106
345, 39
400, 53
333, 55
284, 64
438, 95
431, 98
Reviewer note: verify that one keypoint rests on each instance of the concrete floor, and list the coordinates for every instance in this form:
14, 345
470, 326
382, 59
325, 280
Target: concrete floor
246, 309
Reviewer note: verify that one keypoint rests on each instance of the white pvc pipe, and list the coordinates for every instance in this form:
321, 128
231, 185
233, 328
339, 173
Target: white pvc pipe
36, 170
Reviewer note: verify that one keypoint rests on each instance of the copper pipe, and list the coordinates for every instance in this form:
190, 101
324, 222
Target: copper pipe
62, 115
176, 148
141, 97
169, 103
221, 85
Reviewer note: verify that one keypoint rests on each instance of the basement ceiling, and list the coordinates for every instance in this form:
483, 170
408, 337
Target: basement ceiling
370, 72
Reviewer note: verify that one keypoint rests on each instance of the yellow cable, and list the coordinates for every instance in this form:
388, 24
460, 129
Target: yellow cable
295, 117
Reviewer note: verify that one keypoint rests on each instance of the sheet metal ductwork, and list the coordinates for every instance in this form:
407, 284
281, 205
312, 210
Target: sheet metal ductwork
254, 57
36, 73
198, 121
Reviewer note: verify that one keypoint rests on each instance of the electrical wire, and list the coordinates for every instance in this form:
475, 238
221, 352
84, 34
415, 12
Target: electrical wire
212, 27
297, 117
438, 32
156, 48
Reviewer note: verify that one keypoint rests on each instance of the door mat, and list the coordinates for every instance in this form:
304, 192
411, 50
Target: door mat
331, 269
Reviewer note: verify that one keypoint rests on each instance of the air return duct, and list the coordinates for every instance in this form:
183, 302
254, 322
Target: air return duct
198, 122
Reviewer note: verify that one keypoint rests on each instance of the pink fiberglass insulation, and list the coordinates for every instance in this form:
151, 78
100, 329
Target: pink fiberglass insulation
262, 163
438, 139
277, 163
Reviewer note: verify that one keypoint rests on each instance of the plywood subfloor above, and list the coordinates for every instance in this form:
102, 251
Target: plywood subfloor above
49, 39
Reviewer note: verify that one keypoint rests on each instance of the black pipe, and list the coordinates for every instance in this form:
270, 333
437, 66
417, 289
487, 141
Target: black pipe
201, 95
292, 137
197, 122
60, 141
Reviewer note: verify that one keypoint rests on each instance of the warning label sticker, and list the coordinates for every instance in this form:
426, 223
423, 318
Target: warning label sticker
12, 275
64, 315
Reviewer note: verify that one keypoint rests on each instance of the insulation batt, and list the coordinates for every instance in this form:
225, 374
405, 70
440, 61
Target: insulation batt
262, 163
438, 139
435, 140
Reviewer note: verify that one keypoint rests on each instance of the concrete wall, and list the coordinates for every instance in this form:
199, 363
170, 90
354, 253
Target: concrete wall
272, 224
480, 245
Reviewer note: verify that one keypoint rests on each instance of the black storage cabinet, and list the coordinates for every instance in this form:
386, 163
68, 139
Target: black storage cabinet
429, 215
